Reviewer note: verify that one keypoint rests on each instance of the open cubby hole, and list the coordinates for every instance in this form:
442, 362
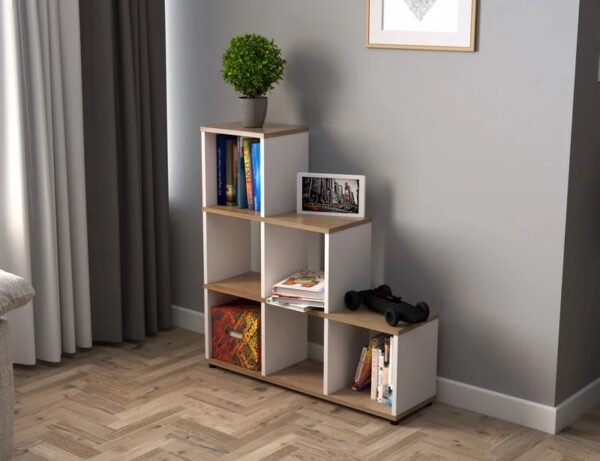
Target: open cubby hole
210, 174
232, 256
288, 356
288, 250
344, 345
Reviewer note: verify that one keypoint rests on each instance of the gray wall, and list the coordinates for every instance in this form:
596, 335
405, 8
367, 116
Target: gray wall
466, 156
579, 344
187, 31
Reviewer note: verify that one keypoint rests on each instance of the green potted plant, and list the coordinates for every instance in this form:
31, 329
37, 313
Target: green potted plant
252, 65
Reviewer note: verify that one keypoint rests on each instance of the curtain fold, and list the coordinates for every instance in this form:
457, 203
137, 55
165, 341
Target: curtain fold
53, 244
124, 100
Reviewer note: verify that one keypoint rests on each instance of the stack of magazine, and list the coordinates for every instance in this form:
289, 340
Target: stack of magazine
301, 291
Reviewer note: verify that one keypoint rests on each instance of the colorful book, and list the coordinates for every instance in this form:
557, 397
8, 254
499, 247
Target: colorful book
221, 168
248, 172
390, 389
293, 306
374, 371
376, 346
255, 162
380, 375
362, 377
229, 168
242, 201
234, 167
306, 301
304, 284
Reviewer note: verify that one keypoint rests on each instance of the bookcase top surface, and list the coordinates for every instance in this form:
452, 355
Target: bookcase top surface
370, 320
314, 223
310, 223
268, 130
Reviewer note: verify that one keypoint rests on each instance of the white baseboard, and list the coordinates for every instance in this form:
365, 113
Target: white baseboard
545, 418
187, 319
519, 411
502, 406
578, 404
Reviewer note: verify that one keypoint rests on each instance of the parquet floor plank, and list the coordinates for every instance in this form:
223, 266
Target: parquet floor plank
159, 401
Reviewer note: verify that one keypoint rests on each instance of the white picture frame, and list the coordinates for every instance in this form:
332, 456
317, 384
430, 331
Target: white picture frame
445, 25
350, 200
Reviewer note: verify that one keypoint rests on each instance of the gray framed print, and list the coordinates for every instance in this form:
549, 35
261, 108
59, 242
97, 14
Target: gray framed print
331, 194
421, 24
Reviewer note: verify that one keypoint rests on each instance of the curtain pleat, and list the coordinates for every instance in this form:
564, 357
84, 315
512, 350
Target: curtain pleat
14, 212
125, 130
52, 134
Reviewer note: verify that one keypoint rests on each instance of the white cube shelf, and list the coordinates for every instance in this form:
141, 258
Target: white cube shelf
246, 252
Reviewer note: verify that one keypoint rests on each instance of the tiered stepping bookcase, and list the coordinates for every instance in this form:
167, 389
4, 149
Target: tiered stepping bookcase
246, 252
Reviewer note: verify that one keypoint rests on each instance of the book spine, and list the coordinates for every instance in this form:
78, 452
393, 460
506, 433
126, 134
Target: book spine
234, 163
365, 374
221, 166
374, 369
359, 369
229, 167
386, 370
380, 376
248, 172
255, 159
242, 201
392, 367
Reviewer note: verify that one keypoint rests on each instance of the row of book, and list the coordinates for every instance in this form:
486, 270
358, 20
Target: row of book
302, 291
238, 171
375, 368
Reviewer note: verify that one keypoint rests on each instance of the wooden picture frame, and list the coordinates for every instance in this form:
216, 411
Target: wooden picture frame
347, 185
417, 34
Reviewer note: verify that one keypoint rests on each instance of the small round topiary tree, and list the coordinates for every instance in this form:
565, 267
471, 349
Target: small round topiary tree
252, 65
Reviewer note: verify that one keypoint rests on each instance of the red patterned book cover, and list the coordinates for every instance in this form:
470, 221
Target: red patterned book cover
236, 333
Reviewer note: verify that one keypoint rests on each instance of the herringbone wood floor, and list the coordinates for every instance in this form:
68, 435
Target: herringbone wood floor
159, 401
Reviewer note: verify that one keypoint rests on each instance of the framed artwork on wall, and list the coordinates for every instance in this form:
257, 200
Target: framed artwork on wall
421, 24
331, 195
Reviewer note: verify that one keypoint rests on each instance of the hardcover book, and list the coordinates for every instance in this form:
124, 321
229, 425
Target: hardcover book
229, 169
304, 284
255, 162
221, 168
248, 172
242, 200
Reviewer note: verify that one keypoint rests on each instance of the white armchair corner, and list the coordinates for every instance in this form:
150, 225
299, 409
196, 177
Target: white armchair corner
14, 292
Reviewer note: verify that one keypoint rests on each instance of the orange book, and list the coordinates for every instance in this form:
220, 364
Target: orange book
248, 172
362, 377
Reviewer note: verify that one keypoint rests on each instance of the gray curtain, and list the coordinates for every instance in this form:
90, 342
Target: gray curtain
124, 105
43, 226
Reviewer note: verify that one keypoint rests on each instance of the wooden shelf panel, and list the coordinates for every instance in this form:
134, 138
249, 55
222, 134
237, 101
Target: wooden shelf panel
233, 212
269, 130
245, 285
313, 223
305, 377
310, 223
360, 401
370, 320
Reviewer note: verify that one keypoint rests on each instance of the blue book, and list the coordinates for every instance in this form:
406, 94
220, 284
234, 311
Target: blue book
255, 160
221, 169
242, 200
